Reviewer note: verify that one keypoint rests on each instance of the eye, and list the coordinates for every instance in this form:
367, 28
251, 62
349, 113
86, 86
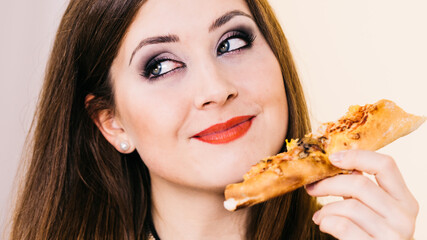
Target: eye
235, 40
231, 45
159, 67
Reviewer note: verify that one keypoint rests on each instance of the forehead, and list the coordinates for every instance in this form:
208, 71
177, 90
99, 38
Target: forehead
162, 17
169, 15
189, 19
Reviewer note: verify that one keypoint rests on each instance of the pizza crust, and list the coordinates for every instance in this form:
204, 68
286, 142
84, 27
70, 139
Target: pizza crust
368, 127
379, 124
293, 174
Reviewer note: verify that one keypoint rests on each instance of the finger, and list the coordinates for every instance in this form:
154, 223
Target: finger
362, 188
383, 167
379, 165
354, 172
354, 186
342, 228
360, 215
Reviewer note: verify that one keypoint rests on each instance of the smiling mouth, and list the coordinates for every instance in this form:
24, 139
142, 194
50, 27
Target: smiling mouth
226, 132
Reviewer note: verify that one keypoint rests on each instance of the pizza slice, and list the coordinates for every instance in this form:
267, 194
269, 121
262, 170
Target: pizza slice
368, 127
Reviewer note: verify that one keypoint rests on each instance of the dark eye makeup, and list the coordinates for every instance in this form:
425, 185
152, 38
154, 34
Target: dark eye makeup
159, 66
231, 42
235, 40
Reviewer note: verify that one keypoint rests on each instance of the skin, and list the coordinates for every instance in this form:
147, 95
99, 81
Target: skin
379, 209
158, 119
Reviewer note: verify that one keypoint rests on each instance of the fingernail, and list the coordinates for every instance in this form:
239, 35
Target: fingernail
336, 157
309, 186
316, 217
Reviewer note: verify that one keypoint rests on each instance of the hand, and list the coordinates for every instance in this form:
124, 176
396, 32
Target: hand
386, 210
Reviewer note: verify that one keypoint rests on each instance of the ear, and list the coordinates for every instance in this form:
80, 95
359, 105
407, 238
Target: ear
112, 129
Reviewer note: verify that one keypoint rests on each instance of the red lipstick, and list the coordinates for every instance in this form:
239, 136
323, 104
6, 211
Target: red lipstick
225, 132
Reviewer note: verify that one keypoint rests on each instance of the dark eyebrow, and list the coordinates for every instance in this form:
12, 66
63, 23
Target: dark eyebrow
227, 17
174, 38
154, 40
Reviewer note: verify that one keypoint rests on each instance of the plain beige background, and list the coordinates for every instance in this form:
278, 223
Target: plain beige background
347, 52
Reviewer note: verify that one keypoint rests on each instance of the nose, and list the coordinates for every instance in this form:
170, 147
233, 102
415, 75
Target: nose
215, 87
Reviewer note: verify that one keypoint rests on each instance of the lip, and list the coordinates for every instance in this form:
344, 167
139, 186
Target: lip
226, 132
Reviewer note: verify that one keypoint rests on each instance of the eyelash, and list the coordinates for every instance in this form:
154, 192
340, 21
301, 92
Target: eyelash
151, 65
248, 37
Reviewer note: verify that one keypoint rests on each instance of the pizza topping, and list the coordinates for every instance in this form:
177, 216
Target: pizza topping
303, 154
356, 116
354, 136
306, 159
309, 144
297, 149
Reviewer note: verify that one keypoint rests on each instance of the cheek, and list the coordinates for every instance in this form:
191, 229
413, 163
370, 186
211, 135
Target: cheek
264, 84
261, 77
147, 113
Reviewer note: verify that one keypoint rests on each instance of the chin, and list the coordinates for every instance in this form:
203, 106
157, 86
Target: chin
223, 165
219, 176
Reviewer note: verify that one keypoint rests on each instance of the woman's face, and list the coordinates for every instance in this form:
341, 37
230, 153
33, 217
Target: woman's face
198, 91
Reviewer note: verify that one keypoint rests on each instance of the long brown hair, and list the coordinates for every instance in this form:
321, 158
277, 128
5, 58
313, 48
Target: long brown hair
288, 216
77, 186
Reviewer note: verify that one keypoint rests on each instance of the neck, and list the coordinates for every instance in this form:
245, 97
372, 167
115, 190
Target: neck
182, 213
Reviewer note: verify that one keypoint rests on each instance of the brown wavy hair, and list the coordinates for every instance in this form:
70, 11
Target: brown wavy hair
76, 185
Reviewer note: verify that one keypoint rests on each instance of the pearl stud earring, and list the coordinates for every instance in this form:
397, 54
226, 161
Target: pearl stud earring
124, 146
